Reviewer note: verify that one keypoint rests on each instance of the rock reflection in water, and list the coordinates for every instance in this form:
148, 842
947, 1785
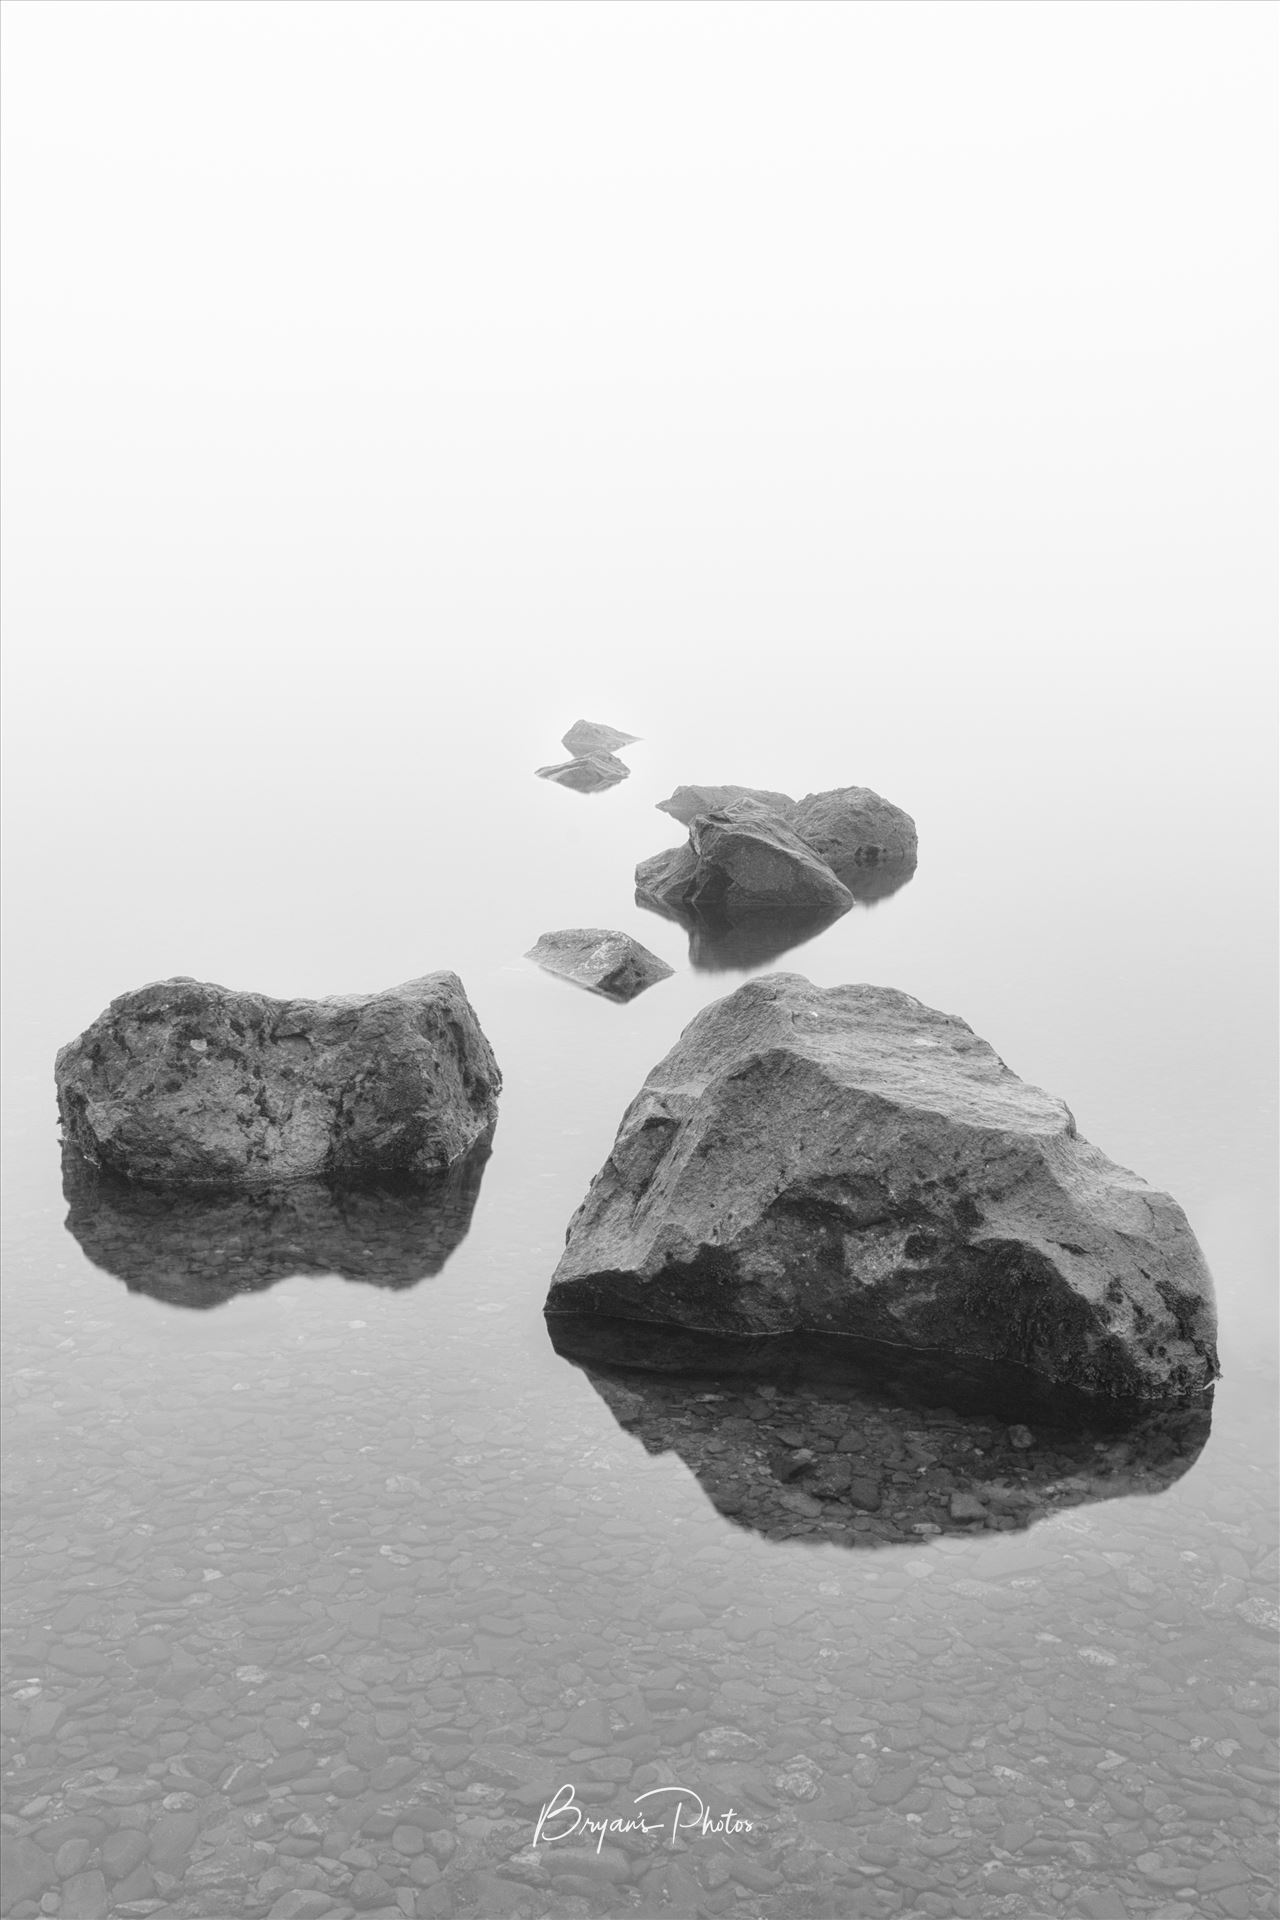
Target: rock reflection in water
870, 881
715, 947
869, 1453
200, 1249
722, 949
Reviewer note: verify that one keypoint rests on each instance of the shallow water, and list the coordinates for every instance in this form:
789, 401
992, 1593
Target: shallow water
331, 1584
319, 1588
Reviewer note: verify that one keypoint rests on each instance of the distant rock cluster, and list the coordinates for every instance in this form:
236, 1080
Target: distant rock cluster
843, 1166
595, 765
761, 872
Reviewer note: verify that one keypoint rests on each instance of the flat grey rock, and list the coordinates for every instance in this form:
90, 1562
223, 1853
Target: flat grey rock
686, 803
592, 736
851, 1162
186, 1084
588, 773
605, 962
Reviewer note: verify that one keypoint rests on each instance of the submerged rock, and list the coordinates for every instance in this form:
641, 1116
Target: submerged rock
589, 773
591, 736
186, 1084
852, 1163
872, 1454
198, 1249
605, 962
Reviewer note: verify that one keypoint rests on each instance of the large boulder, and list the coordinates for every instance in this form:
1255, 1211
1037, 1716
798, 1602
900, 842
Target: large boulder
185, 1084
852, 1163
198, 1248
603, 961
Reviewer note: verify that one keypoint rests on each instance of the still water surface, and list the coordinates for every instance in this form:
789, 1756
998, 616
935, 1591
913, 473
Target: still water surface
326, 1588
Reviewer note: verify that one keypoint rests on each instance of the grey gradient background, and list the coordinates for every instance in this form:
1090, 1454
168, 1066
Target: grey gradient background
828, 393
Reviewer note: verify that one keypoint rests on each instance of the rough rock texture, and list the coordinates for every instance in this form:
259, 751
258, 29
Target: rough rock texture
740, 864
743, 886
853, 827
848, 827
184, 1084
197, 1249
686, 803
589, 773
761, 872
605, 962
592, 736
865, 1465
850, 1162
665, 880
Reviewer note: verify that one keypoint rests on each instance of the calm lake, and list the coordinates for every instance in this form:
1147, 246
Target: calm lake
355, 466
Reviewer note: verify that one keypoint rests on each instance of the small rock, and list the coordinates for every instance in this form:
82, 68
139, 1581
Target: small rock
587, 773
27, 1869
301, 1903
680, 1617
608, 963
589, 1725
84, 1897
592, 736
121, 1851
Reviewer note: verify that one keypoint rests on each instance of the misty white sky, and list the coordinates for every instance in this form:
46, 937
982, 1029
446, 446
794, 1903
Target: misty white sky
936, 314
883, 377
